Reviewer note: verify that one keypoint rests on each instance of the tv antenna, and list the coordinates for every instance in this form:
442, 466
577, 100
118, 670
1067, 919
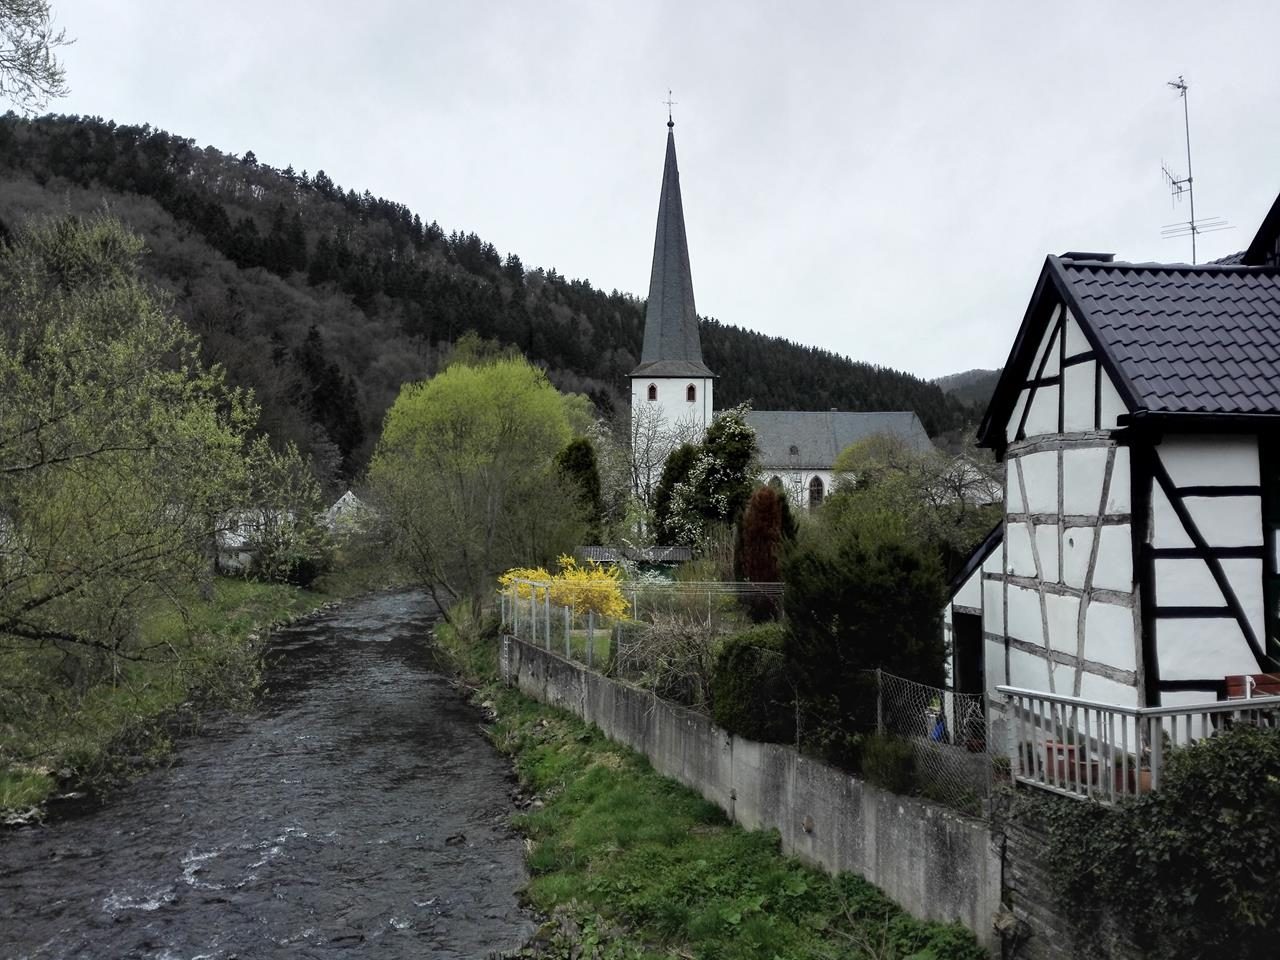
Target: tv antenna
1179, 185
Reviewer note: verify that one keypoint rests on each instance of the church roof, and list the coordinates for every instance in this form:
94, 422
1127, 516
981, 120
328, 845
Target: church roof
671, 344
818, 436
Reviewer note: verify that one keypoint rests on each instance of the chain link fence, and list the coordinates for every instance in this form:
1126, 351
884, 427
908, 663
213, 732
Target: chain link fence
947, 733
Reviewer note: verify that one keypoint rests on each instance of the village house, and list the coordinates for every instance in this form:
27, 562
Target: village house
672, 388
1138, 421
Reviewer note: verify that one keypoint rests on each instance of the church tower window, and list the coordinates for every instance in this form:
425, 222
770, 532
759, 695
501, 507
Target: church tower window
691, 393
653, 391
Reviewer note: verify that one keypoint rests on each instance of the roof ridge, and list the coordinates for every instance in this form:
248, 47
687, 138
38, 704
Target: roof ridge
1210, 267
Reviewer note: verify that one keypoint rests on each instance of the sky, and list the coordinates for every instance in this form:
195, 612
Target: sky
879, 179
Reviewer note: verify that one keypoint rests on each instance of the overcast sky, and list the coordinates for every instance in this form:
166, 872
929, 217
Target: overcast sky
880, 179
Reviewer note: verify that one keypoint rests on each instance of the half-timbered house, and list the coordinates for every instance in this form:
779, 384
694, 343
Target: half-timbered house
1138, 421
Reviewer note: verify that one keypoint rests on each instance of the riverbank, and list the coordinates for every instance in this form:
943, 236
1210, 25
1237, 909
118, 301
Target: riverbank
629, 864
55, 739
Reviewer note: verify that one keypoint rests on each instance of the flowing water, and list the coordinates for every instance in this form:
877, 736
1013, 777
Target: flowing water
358, 812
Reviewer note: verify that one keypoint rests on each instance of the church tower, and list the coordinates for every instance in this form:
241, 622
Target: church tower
671, 379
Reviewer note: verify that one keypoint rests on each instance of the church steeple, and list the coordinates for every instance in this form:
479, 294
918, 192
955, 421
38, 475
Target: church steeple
672, 347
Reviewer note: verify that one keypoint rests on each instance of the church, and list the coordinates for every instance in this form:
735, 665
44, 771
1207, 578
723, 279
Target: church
672, 389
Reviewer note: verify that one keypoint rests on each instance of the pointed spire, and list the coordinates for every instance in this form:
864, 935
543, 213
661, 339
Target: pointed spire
672, 347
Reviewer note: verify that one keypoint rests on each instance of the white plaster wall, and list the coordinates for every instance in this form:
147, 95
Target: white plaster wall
1040, 474
1227, 521
671, 398
1112, 405
1185, 583
1063, 616
1207, 461
1078, 400
1108, 635
1114, 569
1047, 549
1024, 615
970, 593
1043, 417
1118, 495
1198, 649
1083, 470
1028, 671
1094, 687
1011, 428
1076, 340
993, 666
1245, 577
1020, 560
1167, 530
1077, 545
992, 607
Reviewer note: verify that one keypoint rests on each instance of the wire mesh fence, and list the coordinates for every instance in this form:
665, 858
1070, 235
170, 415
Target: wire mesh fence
664, 636
947, 732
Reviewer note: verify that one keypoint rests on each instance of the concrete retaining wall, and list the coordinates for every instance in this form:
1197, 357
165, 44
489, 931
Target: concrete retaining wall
934, 862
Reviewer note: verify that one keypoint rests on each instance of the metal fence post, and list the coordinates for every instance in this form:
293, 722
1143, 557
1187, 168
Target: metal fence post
591, 637
568, 629
515, 607
546, 613
879, 703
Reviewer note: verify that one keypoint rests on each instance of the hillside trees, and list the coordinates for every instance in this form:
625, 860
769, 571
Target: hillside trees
465, 474
119, 450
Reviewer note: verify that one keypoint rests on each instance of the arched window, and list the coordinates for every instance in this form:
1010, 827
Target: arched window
653, 391
690, 393
815, 492
776, 482
794, 451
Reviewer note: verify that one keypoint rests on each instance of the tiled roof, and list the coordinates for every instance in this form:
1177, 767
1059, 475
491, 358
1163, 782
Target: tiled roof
1230, 260
819, 436
1203, 339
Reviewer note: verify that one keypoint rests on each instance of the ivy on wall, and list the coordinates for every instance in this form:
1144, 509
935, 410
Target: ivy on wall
1191, 870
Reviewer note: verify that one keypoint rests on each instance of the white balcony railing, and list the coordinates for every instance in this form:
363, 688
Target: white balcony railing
1082, 748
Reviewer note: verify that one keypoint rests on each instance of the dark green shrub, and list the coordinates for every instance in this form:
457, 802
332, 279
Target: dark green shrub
1191, 867
857, 600
889, 762
751, 691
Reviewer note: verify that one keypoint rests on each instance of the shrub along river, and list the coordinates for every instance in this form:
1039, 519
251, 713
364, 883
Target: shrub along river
359, 810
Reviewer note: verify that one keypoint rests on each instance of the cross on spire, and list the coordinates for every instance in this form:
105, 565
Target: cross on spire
670, 103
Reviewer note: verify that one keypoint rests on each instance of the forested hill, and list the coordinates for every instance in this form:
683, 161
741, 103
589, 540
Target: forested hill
325, 300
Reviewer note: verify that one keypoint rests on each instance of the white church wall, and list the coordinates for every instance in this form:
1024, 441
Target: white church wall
672, 402
796, 483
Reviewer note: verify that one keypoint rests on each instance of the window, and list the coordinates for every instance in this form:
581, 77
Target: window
653, 391
794, 451
690, 393
815, 492
776, 482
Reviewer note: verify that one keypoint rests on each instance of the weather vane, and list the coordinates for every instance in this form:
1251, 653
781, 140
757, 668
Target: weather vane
670, 103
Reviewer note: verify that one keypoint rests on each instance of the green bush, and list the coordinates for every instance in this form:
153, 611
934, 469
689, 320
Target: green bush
889, 762
751, 690
1191, 867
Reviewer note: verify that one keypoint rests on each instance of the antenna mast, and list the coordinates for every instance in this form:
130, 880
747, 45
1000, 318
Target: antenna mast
1180, 185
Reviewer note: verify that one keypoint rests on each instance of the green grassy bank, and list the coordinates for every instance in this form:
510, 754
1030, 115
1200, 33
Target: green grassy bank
630, 864
58, 728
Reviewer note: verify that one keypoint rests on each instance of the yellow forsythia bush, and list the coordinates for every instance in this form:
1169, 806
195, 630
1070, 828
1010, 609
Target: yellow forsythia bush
589, 587
523, 590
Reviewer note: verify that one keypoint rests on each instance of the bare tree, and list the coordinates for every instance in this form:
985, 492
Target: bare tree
30, 74
652, 440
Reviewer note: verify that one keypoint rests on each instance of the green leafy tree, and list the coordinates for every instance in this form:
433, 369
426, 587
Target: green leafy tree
674, 471
119, 450
948, 504
282, 516
465, 475
716, 488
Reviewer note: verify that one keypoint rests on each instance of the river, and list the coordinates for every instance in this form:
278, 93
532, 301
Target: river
358, 810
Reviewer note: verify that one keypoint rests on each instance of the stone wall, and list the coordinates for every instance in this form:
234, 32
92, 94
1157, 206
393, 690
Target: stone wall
934, 862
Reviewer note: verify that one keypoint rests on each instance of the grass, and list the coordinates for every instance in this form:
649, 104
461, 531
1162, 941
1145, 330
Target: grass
633, 863
52, 733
